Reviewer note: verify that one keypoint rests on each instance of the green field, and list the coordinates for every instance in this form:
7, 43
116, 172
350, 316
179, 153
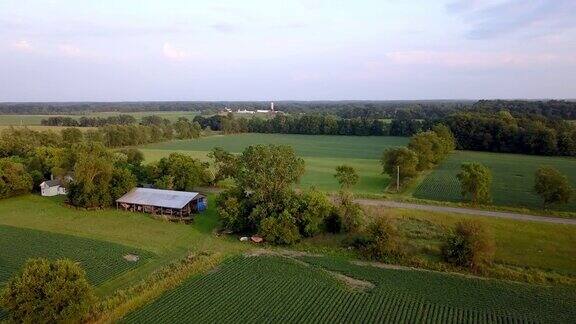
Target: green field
322, 155
513, 178
101, 260
17, 120
163, 242
322, 290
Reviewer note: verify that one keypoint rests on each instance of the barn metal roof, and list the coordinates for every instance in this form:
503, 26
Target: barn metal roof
158, 198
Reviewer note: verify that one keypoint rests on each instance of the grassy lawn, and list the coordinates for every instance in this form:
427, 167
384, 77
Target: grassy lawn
513, 178
165, 241
274, 289
322, 155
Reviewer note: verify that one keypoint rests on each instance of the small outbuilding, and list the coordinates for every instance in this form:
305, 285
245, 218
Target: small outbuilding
171, 204
50, 188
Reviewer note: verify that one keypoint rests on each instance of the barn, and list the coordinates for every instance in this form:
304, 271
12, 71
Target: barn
170, 204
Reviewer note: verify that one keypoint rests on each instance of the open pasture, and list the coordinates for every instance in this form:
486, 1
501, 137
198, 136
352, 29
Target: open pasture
322, 155
512, 174
101, 260
280, 290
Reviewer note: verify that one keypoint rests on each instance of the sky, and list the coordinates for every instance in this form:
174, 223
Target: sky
130, 50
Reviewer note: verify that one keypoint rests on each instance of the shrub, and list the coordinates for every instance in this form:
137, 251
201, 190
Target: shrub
380, 241
48, 292
315, 208
552, 186
350, 213
469, 245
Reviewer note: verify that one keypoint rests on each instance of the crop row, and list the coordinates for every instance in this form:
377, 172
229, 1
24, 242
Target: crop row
279, 290
101, 260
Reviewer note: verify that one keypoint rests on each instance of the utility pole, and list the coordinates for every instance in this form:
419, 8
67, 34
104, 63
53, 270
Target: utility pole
398, 178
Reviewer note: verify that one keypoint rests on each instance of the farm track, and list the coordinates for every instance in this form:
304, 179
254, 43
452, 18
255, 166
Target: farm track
466, 211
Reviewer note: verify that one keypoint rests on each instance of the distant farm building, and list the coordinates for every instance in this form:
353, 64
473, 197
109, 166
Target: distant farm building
174, 205
50, 188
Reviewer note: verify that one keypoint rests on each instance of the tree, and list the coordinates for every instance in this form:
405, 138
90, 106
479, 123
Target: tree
90, 185
428, 147
475, 181
186, 172
48, 292
134, 156
470, 244
225, 162
346, 176
280, 230
447, 138
404, 158
121, 182
71, 135
14, 180
552, 186
268, 171
314, 209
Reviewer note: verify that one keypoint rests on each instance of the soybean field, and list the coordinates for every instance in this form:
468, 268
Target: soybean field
101, 260
512, 178
274, 289
322, 154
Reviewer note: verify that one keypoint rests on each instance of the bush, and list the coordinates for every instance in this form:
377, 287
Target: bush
350, 213
380, 241
315, 208
280, 230
469, 245
48, 292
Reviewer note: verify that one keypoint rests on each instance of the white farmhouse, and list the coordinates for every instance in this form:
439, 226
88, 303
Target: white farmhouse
51, 188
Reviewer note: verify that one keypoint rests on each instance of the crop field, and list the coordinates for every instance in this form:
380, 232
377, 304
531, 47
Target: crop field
18, 120
101, 260
513, 178
271, 289
322, 155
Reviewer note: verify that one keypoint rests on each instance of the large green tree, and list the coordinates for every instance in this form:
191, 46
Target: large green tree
186, 172
552, 186
475, 181
14, 180
402, 159
48, 292
429, 148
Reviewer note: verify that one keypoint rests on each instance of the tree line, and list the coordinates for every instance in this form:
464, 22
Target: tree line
503, 132
416, 109
313, 124
68, 121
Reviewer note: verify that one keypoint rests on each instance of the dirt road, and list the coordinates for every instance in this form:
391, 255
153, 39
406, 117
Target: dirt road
467, 211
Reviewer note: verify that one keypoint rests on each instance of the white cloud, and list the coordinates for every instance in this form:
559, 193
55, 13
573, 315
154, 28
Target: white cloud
23, 45
70, 50
172, 52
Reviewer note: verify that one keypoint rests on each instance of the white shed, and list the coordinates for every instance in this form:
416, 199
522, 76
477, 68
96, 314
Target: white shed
52, 188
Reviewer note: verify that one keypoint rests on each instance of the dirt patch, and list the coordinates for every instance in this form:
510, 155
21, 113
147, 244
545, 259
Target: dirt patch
352, 283
284, 253
131, 257
382, 265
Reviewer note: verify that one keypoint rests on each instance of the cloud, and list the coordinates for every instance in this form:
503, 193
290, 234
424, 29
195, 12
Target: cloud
171, 52
224, 28
70, 50
494, 18
23, 45
475, 59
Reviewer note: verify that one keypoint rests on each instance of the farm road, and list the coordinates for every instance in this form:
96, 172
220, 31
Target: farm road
467, 211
